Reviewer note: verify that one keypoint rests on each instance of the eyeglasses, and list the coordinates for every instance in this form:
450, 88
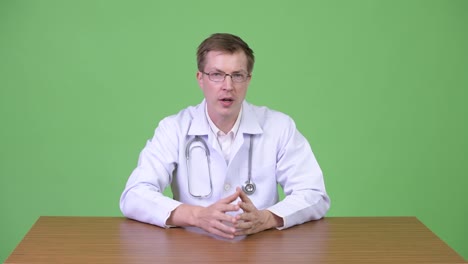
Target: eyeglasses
237, 77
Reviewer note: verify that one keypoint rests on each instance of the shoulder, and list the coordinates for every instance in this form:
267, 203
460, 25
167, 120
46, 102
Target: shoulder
268, 117
187, 113
181, 120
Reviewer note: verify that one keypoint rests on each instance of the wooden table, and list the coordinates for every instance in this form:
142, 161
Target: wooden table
330, 240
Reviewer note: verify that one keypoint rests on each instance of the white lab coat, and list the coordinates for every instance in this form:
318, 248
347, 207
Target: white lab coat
280, 154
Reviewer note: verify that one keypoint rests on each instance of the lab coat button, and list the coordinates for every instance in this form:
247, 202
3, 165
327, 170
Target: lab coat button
227, 187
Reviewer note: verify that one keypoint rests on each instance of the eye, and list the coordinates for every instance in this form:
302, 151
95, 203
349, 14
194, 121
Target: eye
238, 76
217, 74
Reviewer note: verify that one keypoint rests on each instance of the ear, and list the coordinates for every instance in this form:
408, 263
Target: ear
200, 78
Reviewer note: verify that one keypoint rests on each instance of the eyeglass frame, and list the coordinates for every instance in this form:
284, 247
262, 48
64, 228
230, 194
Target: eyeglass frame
226, 74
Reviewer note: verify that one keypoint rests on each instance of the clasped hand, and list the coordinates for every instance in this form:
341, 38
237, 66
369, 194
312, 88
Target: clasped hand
216, 219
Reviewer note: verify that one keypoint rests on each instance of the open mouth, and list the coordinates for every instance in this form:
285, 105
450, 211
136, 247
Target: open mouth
226, 102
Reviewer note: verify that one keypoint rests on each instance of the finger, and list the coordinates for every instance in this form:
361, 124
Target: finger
223, 230
241, 233
247, 207
243, 225
226, 207
243, 196
223, 217
245, 217
231, 198
244, 232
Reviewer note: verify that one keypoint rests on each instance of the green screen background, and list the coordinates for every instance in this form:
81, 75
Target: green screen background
378, 87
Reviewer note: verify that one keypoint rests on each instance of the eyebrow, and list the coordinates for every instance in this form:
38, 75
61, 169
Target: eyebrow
238, 71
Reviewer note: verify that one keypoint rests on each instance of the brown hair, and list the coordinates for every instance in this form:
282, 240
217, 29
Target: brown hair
227, 43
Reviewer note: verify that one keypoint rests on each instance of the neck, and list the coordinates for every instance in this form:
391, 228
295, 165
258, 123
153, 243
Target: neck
224, 123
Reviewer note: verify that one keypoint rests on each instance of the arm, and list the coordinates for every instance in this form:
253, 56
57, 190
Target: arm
301, 178
142, 198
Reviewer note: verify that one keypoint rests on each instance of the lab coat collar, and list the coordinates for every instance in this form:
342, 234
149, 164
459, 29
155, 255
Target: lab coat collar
249, 122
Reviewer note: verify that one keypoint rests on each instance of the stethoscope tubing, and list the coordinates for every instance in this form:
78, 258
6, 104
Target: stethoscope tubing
249, 186
207, 154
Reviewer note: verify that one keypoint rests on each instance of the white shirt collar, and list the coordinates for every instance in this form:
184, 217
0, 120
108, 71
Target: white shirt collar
217, 131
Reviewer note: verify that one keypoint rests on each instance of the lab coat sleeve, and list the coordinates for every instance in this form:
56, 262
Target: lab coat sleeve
142, 198
301, 178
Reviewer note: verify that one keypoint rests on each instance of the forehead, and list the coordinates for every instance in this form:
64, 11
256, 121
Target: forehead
225, 61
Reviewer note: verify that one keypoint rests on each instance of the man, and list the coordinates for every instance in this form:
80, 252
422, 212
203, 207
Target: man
224, 158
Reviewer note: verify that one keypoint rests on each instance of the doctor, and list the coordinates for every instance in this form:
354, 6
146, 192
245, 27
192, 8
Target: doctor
224, 158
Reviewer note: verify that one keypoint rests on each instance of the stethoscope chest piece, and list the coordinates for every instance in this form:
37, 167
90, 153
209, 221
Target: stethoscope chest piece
249, 188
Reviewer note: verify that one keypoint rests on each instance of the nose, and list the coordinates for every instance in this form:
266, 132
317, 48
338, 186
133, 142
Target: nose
227, 83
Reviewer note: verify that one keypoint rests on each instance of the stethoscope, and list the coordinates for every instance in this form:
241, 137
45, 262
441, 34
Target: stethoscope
248, 187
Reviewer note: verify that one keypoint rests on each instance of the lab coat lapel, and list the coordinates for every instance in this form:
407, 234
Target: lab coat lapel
249, 126
201, 127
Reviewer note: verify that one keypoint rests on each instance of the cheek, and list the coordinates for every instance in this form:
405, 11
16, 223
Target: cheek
208, 90
243, 89
201, 84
